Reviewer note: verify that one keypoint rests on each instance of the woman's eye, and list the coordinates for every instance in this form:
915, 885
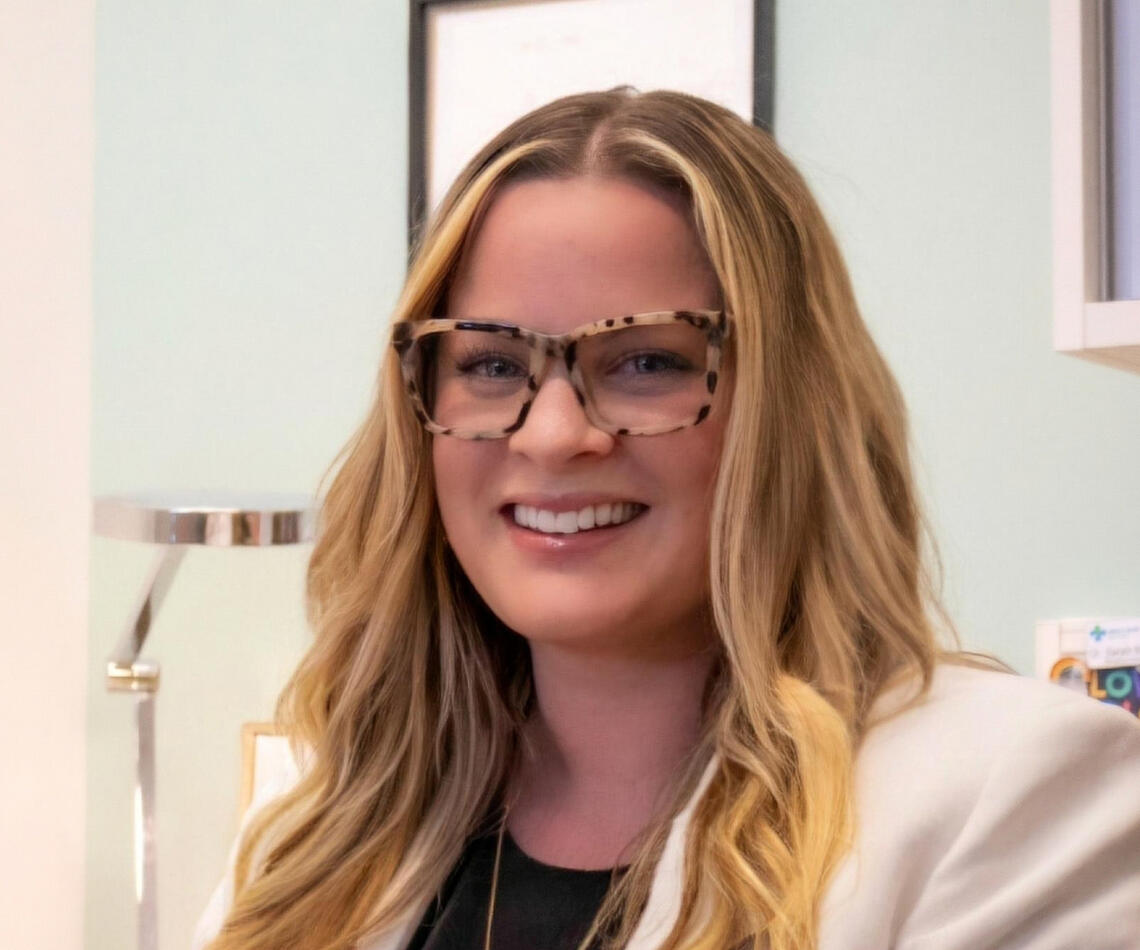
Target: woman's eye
654, 362
492, 367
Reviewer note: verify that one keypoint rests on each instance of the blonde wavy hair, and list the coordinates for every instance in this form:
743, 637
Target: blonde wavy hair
408, 707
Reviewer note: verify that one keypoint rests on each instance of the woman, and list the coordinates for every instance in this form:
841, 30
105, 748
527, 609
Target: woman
623, 635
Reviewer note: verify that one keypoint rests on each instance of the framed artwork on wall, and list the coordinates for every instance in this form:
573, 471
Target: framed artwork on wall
475, 65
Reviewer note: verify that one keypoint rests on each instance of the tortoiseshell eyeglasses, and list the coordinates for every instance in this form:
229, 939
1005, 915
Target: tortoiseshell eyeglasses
643, 374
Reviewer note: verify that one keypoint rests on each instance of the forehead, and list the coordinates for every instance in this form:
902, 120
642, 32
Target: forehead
553, 254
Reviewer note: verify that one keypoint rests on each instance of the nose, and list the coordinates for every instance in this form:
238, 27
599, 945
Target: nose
557, 429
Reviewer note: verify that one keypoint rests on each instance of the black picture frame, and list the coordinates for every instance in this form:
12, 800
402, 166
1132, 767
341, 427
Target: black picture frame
763, 88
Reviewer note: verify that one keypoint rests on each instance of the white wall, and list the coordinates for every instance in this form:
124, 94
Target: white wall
46, 72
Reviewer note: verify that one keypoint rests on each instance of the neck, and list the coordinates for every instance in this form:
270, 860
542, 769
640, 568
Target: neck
605, 741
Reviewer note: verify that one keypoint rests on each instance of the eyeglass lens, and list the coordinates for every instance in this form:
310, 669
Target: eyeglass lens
635, 377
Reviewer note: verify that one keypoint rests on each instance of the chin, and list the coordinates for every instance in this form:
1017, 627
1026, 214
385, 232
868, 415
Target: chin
635, 634
570, 626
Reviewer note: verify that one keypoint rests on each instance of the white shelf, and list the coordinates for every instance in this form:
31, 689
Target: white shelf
1084, 323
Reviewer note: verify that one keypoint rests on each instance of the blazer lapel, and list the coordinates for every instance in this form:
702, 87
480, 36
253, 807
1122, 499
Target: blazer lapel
669, 876
395, 939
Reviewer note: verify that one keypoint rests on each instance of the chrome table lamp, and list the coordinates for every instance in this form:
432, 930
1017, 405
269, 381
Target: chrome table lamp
174, 522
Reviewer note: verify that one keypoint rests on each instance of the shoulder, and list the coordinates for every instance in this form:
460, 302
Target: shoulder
995, 806
976, 718
984, 742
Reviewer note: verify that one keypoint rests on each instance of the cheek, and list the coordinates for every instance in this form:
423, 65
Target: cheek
468, 478
692, 468
458, 468
703, 471
686, 470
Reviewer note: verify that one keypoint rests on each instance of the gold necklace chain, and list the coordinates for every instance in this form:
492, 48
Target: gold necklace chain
495, 880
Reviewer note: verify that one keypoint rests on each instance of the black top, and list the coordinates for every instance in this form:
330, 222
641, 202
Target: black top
536, 905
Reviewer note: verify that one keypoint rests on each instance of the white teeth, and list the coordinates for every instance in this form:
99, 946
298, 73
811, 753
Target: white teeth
571, 522
566, 522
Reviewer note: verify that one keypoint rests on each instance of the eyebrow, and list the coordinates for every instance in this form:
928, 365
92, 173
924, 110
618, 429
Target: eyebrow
490, 323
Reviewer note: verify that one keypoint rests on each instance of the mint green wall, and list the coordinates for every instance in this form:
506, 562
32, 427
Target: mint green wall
925, 130
250, 184
249, 205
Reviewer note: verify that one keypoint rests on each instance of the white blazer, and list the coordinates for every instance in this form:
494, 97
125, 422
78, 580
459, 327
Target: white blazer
1001, 812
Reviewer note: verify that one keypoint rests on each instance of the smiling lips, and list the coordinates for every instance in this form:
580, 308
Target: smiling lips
571, 522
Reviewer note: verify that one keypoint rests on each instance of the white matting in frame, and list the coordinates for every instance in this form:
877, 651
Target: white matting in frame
266, 762
489, 62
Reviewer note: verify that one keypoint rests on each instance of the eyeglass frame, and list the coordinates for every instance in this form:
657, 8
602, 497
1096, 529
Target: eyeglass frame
546, 347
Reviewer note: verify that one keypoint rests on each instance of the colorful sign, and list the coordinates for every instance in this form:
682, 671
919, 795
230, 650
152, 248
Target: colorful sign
1118, 686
